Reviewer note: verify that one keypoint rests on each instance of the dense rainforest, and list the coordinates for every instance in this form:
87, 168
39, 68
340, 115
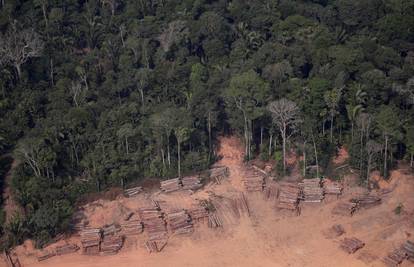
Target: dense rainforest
103, 93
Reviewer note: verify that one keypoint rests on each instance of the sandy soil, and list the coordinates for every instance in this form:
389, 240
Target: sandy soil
267, 238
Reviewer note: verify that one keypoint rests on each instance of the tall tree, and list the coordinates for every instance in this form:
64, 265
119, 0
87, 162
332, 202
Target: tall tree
285, 115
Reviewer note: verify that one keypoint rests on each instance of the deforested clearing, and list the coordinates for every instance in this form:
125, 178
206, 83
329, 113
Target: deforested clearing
266, 237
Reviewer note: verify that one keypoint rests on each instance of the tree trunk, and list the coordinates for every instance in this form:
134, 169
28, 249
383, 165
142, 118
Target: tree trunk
360, 152
162, 156
19, 70
261, 136
270, 145
44, 15
52, 80
141, 91
284, 148
385, 156
179, 157
209, 135
352, 132
304, 159
126, 145
331, 133
316, 156
168, 151
368, 168
411, 160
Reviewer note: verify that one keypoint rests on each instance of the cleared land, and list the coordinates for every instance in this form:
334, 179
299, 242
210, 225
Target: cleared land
268, 237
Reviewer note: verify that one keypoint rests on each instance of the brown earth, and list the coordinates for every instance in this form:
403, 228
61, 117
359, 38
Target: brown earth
267, 238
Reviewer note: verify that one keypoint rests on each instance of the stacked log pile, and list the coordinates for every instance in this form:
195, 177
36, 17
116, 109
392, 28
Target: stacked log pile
240, 205
395, 258
132, 226
179, 222
332, 187
312, 190
132, 192
218, 173
408, 246
351, 245
345, 209
367, 201
155, 245
111, 229
289, 194
214, 221
66, 249
191, 183
271, 191
154, 223
253, 180
171, 185
198, 212
46, 254
111, 244
90, 240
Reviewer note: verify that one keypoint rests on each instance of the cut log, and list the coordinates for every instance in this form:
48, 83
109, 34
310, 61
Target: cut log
66, 249
289, 194
395, 258
133, 192
351, 245
191, 183
111, 245
179, 222
171, 185
46, 254
345, 209
312, 190
367, 201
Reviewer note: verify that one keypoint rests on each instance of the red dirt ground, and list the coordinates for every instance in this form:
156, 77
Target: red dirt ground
267, 238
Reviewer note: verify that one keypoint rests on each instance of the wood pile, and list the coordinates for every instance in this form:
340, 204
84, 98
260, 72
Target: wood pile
351, 245
191, 183
271, 191
171, 185
155, 246
312, 190
132, 227
46, 254
214, 221
289, 194
253, 181
111, 244
367, 201
11, 260
218, 173
132, 192
198, 212
345, 209
240, 205
66, 249
179, 222
153, 221
395, 258
90, 240
332, 187
111, 229
408, 246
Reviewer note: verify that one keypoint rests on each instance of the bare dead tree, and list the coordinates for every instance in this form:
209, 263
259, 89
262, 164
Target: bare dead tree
285, 115
175, 31
18, 45
78, 93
